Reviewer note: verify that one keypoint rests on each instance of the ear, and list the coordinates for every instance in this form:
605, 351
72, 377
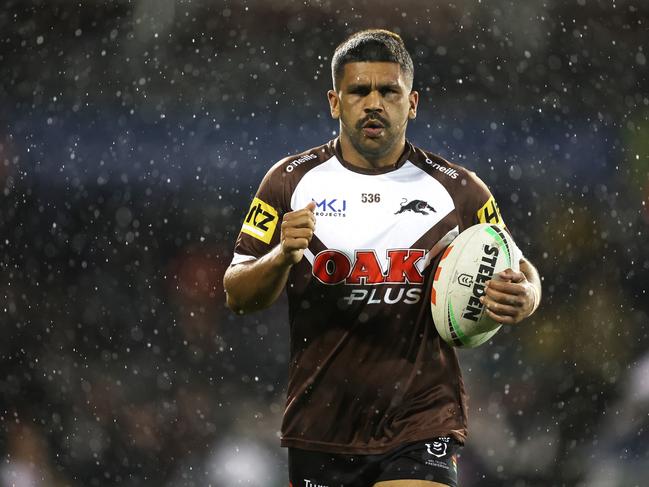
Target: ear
413, 99
334, 104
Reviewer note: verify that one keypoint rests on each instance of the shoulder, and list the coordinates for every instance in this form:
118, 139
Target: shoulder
292, 168
452, 176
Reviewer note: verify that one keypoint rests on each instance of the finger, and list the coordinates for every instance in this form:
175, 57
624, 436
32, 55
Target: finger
506, 287
308, 211
503, 320
291, 244
510, 275
299, 219
299, 223
496, 296
501, 309
303, 213
298, 233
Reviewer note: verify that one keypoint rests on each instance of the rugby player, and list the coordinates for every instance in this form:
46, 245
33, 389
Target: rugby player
351, 230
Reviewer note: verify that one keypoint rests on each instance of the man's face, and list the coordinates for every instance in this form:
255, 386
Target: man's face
373, 102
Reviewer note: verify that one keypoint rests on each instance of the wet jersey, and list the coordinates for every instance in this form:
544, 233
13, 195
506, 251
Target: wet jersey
368, 370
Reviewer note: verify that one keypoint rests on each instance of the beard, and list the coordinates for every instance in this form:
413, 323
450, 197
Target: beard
372, 147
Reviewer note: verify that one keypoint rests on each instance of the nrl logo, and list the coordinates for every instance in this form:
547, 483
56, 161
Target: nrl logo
437, 448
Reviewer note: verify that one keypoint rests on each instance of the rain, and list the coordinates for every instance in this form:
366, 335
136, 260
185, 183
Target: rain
133, 136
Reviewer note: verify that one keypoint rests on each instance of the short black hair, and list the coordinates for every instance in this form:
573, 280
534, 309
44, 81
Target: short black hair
372, 45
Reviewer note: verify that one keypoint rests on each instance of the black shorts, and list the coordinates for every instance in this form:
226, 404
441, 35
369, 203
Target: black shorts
433, 460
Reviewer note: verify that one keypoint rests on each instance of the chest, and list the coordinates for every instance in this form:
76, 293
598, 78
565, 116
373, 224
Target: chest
358, 212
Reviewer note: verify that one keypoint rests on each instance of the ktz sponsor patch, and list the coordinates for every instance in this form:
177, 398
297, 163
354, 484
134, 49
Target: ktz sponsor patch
260, 221
489, 213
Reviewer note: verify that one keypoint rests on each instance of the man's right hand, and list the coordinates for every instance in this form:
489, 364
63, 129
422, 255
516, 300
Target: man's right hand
296, 233
257, 284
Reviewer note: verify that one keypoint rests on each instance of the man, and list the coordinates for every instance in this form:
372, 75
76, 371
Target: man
352, 230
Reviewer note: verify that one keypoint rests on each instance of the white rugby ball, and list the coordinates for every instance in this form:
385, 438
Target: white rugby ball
467, 264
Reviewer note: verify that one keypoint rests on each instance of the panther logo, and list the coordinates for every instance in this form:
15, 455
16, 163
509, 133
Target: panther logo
416, 206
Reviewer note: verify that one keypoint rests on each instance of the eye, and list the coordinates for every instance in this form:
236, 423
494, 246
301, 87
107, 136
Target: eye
359, 90
388, 91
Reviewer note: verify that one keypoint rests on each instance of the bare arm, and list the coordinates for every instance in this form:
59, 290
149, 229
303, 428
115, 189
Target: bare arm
256, 285
513, 296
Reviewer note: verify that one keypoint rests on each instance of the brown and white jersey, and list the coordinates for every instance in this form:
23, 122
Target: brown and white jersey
368, 370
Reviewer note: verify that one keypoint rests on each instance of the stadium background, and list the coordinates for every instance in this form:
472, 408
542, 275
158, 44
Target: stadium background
132, 136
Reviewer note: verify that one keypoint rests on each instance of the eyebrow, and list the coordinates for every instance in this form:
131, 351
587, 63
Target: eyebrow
357, 86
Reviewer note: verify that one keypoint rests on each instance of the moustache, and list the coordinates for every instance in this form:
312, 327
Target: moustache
372, 117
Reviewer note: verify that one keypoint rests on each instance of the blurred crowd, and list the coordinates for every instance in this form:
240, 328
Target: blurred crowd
133, 135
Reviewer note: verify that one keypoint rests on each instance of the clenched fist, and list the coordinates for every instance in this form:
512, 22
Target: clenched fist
296, 233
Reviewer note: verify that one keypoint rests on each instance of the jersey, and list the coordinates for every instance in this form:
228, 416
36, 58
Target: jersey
368, 370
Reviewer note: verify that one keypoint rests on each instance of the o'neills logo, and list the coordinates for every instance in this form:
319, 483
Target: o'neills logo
485, 272
449, 171
293, 164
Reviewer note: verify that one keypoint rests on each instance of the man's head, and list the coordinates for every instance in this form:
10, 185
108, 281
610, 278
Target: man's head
372, 45
372, 96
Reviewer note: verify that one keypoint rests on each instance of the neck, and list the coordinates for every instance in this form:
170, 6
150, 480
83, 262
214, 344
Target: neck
356, 158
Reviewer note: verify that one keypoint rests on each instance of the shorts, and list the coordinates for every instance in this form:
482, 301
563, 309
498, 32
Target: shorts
433, 460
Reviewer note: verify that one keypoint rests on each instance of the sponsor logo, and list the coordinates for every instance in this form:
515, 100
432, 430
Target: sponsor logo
416, 206
334, 267
296, 162
387, 295
449, 171
310, 483
465, 280
436, 448
485, 272
489, 213
260, 221
330, 207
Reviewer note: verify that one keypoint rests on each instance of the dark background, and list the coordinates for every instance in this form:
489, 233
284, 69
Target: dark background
132, 138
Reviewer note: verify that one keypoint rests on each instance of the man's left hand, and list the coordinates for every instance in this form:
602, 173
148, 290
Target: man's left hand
509, 297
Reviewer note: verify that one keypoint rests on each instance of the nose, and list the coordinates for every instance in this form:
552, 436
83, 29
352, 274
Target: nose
373, 102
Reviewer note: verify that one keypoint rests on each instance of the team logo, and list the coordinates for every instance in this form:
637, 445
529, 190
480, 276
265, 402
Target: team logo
489, 213
260, 221
330, 207
416, 206
436, 448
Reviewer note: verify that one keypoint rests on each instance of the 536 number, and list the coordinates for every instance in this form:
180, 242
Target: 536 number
370, 197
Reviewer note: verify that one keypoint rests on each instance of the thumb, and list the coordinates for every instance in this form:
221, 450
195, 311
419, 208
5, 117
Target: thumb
310, 206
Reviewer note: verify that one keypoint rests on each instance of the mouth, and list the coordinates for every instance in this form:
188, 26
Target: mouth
373, 129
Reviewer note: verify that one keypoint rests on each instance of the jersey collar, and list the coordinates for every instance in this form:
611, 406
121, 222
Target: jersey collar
407, 150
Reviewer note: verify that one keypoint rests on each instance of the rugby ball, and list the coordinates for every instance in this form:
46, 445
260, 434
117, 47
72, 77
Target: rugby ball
466, 265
